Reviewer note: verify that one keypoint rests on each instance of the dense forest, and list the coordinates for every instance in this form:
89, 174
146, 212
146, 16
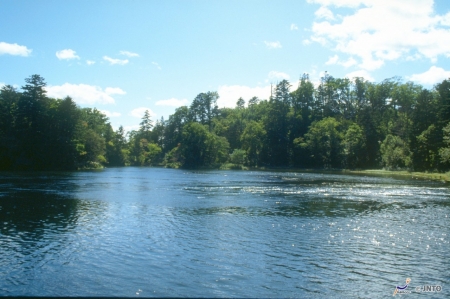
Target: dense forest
340, 123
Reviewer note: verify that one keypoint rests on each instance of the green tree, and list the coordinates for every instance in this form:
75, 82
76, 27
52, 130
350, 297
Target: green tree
194, 149
323, 141
146, 124
444, 152
443, 109
230, 124
204, 108
32, 124
238, 157
253, 101
117, 152
9, 138
354, 146
425, 137
93, 149
426, 152
252, 140
157, 135
64, 134
201, 148
277, 126
395, 153
174, 128
240, 104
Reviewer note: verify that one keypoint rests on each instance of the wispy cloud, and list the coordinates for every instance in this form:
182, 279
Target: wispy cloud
173, 102
84, 93
273, 45
14, 49
275, 75
157, 65
67, 54
90, 62
294, 26
113, 61
129, 54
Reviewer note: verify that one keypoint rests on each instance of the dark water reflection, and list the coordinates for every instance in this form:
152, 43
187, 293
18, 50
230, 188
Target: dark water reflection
161, 232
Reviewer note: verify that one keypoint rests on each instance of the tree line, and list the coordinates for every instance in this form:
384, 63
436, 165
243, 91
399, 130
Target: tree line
339, 123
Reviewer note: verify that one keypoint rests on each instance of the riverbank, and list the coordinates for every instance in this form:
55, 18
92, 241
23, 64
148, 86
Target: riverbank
435, 176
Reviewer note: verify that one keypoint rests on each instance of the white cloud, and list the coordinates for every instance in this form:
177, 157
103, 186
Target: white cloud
156, 64
294, 26
173, 102
113, 61
432, 76
83, 93
2, 84
445, 20
306, 42
110, 114
274, 75
129, 54
139, 112
348, 63
67, 54
90, 62
114, 90
273, 45
340, 3
229, 94
377, 31
324, 13
360, 73
14, 49
335, 60
332, 60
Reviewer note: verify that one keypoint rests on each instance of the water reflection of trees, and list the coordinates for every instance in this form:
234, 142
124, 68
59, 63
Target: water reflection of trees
32, 212
33, 204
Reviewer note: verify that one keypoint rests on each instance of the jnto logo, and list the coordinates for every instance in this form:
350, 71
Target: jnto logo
402, 289
420, 289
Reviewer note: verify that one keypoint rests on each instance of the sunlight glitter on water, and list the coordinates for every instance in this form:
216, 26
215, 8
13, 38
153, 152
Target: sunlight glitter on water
160, 232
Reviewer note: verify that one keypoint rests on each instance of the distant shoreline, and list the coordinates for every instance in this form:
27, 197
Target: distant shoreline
435, 176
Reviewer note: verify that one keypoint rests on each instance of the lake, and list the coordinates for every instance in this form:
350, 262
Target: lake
156, 232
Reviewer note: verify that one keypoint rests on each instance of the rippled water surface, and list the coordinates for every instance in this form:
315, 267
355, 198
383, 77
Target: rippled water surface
163, 232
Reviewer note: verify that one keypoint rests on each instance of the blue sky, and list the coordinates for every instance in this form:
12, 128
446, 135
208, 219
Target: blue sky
123, 57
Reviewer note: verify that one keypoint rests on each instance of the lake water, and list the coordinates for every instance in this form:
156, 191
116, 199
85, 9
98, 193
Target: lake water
165, 232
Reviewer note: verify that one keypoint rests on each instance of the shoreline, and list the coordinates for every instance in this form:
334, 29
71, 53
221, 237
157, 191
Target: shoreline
434, 176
